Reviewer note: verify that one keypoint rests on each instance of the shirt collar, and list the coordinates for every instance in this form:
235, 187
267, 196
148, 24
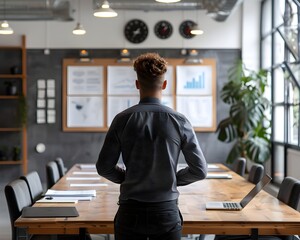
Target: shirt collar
150, 100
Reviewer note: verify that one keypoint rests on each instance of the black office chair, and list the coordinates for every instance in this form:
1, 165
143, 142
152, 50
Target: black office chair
52, 173
61, 166
289, 193
17, 197
256, 173
239, 166
35, 185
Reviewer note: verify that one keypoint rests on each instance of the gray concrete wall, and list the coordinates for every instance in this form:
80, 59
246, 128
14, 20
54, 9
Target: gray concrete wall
85, 147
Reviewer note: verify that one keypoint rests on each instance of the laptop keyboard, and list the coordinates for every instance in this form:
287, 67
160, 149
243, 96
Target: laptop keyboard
231, 205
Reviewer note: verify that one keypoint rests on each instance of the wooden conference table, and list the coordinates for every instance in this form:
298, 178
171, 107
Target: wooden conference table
264, 215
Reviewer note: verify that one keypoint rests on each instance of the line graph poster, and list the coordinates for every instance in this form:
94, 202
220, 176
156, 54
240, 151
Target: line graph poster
85, 111
85, 80
198, 110
121, 80
194, 80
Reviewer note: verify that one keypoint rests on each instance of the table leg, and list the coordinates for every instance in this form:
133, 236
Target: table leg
254, 234
82, 233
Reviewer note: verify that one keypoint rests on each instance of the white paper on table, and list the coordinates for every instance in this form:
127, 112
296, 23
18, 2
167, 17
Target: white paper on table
218, 176
87, 166
85, 173
70, 193
88, 184
57, 200
212, 166
83, 178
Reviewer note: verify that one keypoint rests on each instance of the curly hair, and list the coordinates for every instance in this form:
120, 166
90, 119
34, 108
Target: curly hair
150, 69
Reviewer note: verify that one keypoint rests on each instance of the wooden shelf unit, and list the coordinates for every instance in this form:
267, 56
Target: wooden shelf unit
11, 162
22, 129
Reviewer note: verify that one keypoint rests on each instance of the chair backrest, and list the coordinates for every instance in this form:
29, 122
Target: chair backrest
240, 166
17, 196
52, 173
256, 173
34, 184
289, 192
61, 166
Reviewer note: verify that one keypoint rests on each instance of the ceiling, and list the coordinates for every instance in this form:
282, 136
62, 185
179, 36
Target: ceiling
36, 10
217, 9
62, 9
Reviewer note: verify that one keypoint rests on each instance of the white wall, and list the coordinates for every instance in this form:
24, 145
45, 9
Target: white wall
250, 33
108, 33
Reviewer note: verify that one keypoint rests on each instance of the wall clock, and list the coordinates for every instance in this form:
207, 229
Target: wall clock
163, 29
136, 31
185, 29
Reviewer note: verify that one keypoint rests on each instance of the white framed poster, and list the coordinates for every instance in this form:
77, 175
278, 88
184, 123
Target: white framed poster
85, 111
194, 80
116, 104
85, 80
197, 109
121, 80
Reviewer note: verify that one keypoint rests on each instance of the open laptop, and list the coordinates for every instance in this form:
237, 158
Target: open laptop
240, 205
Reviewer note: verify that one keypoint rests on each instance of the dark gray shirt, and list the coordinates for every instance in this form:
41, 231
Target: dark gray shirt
150, 137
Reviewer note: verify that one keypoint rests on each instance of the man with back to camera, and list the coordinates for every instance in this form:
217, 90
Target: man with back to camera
150, 137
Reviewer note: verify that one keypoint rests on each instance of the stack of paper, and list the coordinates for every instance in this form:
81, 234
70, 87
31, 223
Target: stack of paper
79, 195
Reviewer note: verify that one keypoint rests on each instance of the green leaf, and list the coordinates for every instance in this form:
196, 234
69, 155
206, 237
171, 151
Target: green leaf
234, 153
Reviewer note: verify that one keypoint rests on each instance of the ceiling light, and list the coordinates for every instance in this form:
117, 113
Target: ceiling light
195, 30
105, 11
79, 30
5, 28
167, 1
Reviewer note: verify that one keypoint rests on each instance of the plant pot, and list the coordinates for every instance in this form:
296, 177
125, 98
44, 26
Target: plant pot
11, 90
16, 154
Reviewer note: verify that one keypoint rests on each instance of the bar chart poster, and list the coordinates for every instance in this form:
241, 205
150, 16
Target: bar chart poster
121, 80
194, 80
198, 110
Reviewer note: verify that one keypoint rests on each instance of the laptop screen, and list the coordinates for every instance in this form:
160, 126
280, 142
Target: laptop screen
258, 187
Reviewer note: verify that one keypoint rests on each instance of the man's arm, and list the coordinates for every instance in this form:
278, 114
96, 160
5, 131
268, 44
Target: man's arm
197, 166
109, 156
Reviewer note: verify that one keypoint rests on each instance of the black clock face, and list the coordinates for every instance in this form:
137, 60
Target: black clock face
136, 31
163, 29
185, 29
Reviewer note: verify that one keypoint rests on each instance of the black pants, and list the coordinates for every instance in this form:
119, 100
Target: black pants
153, 221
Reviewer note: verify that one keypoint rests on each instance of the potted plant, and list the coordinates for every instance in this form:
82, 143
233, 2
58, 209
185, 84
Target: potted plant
16, 153
247, 124
11, 88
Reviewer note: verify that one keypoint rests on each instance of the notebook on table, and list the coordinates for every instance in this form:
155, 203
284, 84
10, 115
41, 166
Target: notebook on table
240, 205
48, 212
